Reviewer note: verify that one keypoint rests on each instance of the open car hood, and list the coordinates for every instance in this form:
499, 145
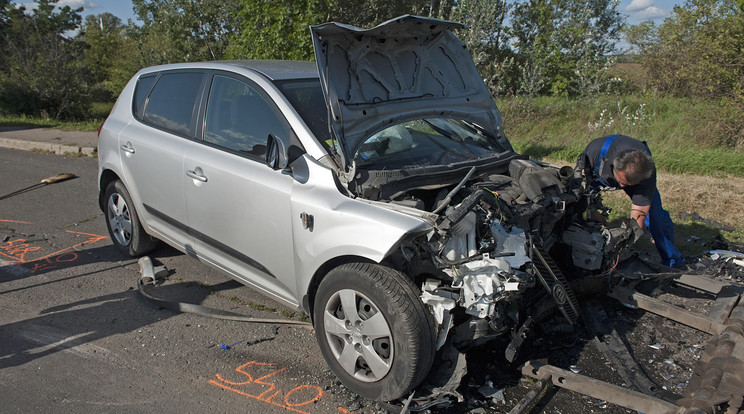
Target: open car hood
406, 68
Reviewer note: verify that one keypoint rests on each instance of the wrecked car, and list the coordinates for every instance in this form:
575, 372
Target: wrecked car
375, 190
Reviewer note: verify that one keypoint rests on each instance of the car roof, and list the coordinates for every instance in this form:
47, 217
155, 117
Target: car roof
278, 69
274, 70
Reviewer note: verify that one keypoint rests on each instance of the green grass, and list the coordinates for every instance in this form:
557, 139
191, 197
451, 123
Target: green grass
685, 135
99, 112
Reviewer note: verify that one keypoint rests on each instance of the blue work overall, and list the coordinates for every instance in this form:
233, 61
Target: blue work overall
658, 221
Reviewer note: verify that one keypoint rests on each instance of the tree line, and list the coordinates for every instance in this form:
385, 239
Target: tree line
54, 62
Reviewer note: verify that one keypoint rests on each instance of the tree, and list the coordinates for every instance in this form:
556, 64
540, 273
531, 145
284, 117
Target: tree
184, 30
558, 39
44, 73
278, 29
487, 39
373, 12
698, 51
109, 54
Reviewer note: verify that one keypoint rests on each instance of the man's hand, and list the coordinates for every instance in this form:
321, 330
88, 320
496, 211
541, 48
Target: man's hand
639, 213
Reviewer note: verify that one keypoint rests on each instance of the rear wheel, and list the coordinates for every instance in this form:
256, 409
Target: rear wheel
123, 223
373, 330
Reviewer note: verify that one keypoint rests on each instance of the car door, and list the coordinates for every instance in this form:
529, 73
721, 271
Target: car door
153, 148
239, 208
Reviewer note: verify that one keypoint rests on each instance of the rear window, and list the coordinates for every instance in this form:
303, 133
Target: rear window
171, 103
144, 84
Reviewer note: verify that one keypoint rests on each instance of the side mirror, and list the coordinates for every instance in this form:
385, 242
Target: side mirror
276, 153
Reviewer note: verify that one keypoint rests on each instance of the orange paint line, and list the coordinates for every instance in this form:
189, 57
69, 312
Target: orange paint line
317, 397
94, 238
219, 377
271, 386
254, 397
15, 221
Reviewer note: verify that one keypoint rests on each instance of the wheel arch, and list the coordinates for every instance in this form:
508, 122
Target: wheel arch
308, 300
107, 177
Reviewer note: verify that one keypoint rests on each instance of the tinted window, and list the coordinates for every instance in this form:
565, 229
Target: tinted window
140, 93
239, 118
307, 98
171, 102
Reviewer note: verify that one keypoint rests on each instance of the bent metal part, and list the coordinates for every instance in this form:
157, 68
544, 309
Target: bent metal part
717, 385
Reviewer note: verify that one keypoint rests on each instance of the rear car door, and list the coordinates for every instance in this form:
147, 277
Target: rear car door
239, 208
152, 149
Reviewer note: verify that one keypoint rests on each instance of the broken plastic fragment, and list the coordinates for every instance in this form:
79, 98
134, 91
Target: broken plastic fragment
488, 391
725, 254
656, 346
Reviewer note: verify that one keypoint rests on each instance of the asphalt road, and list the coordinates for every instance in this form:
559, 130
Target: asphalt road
75, 336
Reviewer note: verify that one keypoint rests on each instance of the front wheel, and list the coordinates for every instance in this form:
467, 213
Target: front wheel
373, 330
123, 223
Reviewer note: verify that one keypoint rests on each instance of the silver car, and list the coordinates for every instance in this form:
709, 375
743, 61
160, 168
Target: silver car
374, 190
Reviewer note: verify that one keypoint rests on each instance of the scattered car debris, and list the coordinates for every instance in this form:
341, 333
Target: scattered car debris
223, 346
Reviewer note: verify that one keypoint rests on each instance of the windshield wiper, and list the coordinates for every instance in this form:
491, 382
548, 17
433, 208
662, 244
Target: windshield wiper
451, 136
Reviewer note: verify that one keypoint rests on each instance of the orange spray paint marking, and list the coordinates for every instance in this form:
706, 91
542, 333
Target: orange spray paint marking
292, 399
15, 221
19, 251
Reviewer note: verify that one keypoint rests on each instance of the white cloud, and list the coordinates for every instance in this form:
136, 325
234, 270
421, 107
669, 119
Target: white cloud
650, 13
74, 4
636, 5
644, 10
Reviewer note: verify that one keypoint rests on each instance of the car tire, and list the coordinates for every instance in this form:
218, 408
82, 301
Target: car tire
123, 222
386, 346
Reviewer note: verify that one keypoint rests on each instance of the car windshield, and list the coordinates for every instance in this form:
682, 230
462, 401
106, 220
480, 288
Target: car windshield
425, 143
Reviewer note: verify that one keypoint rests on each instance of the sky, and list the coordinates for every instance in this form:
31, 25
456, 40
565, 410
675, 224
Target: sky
636, 10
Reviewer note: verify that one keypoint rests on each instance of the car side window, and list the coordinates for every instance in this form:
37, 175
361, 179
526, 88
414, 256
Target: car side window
239, 118
144, 84
171, 102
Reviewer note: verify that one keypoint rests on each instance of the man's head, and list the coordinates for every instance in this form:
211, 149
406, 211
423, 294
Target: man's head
631, 167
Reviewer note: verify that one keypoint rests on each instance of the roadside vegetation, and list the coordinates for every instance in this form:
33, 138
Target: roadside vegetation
552, 65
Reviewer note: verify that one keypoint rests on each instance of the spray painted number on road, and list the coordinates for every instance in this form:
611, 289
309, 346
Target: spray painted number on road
23, 252
262, 389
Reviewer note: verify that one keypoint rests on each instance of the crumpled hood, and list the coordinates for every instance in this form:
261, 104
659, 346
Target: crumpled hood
406, 68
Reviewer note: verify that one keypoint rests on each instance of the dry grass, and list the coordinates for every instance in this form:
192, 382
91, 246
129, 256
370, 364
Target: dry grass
714, 198
718, 199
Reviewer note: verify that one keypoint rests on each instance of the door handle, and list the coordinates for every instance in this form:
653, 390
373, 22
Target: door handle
193, 174
127, 148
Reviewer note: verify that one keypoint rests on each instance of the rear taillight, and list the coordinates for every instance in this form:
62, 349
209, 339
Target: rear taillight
100, 127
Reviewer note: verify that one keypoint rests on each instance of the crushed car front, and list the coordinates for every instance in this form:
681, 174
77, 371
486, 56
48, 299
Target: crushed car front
412, 129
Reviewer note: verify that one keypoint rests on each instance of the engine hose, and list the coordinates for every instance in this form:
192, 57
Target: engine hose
144, 283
